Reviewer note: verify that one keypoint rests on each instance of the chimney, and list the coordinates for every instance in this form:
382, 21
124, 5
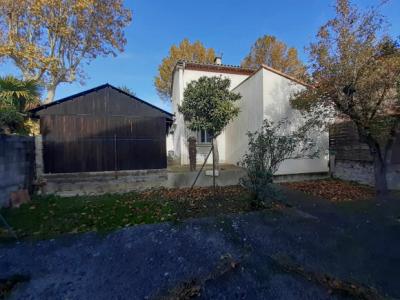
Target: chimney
218, 60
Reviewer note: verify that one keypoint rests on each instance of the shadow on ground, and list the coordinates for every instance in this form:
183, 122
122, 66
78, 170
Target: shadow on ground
230, 257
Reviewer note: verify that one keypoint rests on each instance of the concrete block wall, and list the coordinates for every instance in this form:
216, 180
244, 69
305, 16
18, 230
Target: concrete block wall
17, 160
363, 172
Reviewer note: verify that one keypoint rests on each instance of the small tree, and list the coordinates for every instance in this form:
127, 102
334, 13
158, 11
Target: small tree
355, 68
208, 105
268, 148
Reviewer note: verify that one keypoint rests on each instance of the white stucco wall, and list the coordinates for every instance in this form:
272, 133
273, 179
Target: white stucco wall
178, 130
250, 117
276, 95
182, 77
266, 95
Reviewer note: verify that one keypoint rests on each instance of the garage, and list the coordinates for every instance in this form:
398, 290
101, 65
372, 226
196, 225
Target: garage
102, 129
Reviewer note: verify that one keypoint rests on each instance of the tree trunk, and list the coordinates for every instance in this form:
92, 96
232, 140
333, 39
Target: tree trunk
51, 91
380, 166
215, 153
381, 187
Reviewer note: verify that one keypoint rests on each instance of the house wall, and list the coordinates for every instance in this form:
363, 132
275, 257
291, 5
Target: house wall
178, 126
182, 77
250, 117
266, 95
277, 91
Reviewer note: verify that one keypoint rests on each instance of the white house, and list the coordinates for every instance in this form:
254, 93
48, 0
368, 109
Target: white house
265, 94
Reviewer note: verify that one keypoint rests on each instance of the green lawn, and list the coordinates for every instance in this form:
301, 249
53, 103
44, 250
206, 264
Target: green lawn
50, 216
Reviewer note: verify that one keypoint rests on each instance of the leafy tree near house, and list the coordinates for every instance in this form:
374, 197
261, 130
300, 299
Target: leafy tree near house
209, 105
356, 69
16, 97
49, 40
184, 51
276, 54
268, 148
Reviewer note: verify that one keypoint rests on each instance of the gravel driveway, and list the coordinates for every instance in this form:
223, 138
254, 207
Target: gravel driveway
229, 257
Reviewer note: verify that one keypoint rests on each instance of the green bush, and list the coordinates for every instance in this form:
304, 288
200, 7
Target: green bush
268, 148
11, 121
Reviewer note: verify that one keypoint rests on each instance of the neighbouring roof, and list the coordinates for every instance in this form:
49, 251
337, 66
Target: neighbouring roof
230, 69
107, 85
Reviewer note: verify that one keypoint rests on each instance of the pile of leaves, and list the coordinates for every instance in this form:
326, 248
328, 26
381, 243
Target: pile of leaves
201, 201
333, 190
195, 194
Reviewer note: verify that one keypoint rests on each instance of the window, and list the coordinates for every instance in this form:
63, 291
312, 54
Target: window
203, 137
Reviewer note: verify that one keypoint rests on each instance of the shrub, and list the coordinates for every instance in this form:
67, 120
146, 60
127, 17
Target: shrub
11, 120
268, 148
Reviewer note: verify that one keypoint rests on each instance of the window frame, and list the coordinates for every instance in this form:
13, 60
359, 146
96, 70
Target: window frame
202, 133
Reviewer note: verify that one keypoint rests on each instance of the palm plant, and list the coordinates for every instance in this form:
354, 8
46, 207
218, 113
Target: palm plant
21, 95
16, 97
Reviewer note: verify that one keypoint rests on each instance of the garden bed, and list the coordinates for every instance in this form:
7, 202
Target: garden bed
50, 216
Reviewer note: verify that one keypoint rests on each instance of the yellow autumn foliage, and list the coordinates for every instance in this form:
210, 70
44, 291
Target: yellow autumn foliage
49, 39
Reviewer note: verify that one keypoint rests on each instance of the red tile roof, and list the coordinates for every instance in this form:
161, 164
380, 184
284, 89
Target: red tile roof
230, 69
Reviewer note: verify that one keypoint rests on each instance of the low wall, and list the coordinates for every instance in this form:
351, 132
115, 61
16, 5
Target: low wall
97, 183
363, 172
351, 159
17, 160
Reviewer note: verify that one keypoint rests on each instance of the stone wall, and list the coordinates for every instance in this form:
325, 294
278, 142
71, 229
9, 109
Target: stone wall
363, 172
17, 159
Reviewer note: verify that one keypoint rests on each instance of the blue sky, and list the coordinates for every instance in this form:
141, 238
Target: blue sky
229, 26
